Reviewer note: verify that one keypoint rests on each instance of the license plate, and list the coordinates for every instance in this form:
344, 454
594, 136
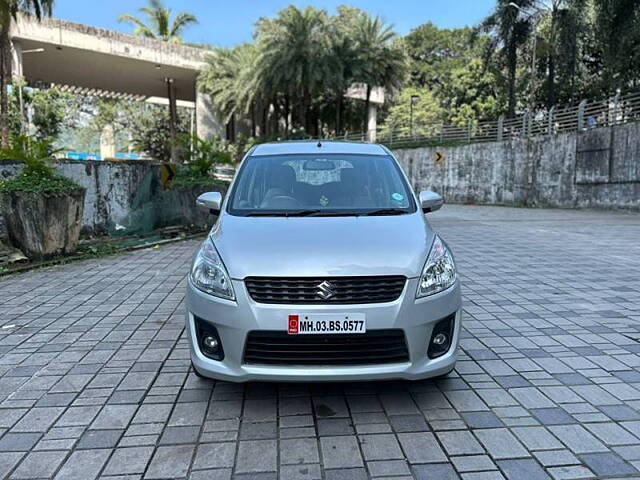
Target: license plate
326, 323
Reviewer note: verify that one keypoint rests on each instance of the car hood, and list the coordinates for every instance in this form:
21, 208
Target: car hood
323, 246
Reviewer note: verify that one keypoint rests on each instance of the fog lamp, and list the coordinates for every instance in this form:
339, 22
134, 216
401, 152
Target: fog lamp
210, 343
441, 337
208, 339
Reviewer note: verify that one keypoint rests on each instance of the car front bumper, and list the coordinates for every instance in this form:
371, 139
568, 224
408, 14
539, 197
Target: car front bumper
233, 320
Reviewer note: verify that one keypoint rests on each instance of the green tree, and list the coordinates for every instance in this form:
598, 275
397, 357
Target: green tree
293, 58
49, 109
300, 66
434, 53
150, 132
9, 10
471, 94
382, 63
344, 61
566, 19
617, 42
449, 63
427, 114
509, 31
564, 33
229, 77
159, 23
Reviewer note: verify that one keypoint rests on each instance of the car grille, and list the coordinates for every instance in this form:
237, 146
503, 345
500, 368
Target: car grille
336, 290
279, 348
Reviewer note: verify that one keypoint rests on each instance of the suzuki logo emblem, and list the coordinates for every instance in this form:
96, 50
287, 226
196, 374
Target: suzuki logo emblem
325, 290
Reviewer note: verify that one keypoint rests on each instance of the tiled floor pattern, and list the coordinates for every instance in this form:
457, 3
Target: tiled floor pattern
95, 381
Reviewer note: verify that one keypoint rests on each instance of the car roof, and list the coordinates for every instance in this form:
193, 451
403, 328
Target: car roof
280, 148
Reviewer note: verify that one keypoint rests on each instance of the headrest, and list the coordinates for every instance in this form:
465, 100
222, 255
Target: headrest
283, 176
349, 175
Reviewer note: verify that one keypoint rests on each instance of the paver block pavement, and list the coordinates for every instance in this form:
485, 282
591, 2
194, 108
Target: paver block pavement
95, 377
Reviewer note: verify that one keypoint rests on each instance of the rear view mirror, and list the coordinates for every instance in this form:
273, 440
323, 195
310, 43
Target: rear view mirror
210, 201
430, 201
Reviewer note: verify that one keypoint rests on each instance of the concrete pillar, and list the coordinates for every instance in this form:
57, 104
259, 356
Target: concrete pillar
108, 142
18, 79
173, 117
372, 123
208, 123
16, 59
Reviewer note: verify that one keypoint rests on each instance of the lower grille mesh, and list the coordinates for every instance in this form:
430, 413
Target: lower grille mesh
279, 348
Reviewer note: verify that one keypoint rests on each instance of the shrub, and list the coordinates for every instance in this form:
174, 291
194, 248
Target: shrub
151, 133
200, 155
37, 175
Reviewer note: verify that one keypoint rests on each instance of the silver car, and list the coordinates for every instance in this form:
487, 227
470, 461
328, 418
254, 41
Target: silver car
322, 267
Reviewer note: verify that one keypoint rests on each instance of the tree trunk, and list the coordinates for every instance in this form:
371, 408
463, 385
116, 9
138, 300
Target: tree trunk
551, 86
287, 111
339, 113
308, 120
302, 112
253, 120
512, 63
5, 78
276, 116
366, 110
265, 121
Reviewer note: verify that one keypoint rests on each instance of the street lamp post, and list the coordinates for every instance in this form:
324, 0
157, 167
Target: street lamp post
414, 98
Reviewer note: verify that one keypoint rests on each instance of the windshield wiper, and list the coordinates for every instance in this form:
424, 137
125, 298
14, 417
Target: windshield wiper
316, 212
293, 213
385, 211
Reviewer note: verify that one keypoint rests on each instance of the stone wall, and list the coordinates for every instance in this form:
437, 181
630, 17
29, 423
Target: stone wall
595, 168
125, 197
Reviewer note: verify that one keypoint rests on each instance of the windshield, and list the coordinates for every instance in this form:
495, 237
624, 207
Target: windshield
322, 185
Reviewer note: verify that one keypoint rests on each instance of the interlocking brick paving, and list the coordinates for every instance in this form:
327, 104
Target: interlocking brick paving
95, 380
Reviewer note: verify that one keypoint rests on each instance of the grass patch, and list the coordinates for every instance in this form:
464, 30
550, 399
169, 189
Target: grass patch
38, 183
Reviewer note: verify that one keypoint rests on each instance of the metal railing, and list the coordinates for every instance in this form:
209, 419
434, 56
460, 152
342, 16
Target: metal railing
559, 119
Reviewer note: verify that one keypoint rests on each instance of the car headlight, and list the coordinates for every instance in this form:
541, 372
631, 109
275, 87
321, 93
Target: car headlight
439, 271
208, 273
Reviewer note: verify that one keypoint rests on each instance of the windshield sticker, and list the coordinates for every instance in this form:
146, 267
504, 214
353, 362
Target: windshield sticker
324, 201
398, 197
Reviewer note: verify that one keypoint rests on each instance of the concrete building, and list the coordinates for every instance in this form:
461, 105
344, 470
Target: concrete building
94, 61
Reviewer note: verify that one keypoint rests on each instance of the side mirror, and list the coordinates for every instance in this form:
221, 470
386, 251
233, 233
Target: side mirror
430, 201
210, 201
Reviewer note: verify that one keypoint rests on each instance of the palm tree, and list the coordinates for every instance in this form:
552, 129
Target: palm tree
229, 78
160, 25
344, 60
509, 31
566, 19
294, 49
617, 31
9, 10
382, 63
